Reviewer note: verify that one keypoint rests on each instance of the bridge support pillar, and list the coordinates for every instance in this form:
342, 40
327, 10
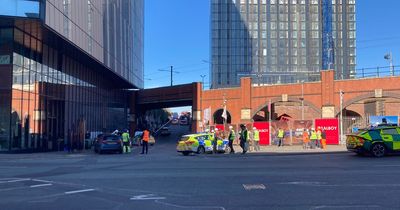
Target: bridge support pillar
196, 107
245, 96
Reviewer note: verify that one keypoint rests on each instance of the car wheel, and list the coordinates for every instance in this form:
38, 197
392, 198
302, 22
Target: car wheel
185, 153
378, 150
201, 150
227, 149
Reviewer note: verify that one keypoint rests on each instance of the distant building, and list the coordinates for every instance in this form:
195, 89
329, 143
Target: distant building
281, 41
65, 66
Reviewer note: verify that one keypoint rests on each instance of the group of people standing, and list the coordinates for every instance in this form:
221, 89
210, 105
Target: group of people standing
126, 140
248, 139
314, 139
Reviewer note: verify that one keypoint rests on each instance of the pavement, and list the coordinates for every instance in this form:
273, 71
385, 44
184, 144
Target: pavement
294, 149
165, 179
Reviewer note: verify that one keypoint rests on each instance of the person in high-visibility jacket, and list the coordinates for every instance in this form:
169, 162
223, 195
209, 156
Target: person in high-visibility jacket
306, 139
256, 139
244, 135
215, 140
231, 138
323, 138
126, 144
319, 138
281, 135
145, 141
313, 138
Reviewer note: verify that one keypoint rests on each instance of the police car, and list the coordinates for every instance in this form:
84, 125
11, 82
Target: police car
200, 143
377, 141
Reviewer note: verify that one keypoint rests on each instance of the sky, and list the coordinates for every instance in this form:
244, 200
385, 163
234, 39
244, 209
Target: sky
177, 34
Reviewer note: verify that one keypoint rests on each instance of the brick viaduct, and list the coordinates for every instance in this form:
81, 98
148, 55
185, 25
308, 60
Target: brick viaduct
320, 99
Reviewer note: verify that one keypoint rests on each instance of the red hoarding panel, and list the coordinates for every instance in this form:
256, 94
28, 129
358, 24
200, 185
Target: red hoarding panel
219, 127
331, 127
263, 127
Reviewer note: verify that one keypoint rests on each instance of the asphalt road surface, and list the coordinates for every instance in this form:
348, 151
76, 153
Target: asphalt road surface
164, 179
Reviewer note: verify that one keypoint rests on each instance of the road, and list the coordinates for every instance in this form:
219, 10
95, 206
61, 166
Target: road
164, 179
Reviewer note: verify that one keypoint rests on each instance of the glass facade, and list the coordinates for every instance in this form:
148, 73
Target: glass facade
55, 90
111, 31
20, 8
280, 41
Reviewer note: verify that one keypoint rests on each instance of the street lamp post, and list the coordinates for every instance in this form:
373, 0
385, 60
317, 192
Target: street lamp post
389, 57
202, 80
341, 93
302, 100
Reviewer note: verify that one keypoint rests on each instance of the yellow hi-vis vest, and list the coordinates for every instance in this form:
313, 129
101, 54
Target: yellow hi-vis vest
232, 135
281, 133
125, 137
256, 135
313, 135
319, 135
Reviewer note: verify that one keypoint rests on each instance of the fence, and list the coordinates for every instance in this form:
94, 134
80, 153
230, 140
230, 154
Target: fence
376, 72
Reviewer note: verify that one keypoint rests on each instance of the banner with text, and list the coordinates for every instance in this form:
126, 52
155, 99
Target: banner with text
331, 127
263, 127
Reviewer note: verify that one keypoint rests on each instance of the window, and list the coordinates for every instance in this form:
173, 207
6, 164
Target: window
391, 131
20, 8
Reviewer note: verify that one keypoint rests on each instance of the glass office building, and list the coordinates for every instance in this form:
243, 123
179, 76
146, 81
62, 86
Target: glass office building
281, 41
65, 67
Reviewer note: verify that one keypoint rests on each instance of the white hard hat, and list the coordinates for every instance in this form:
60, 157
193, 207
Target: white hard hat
212, 131
216, 129
254, 128
207, 130
230, 127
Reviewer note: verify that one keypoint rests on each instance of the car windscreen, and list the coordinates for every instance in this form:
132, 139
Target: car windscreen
390, 131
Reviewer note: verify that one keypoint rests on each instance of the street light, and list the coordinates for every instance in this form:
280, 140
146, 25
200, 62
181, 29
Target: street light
341, 93
389, 57
202, 79
302, 99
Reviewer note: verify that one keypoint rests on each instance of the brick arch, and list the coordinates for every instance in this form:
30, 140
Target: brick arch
229, 116
290, 99
366, 96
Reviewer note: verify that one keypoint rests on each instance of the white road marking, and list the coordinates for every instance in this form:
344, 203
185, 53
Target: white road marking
78, 191
40, 185
15, 180
189, 207
146, 197
254, 187
41, 180
305, 183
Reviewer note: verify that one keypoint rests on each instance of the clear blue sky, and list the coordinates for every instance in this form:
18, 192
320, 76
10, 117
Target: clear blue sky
177, 33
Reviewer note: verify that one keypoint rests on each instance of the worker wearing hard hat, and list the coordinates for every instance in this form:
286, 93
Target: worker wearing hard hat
256, 139
215, 141
231, 138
